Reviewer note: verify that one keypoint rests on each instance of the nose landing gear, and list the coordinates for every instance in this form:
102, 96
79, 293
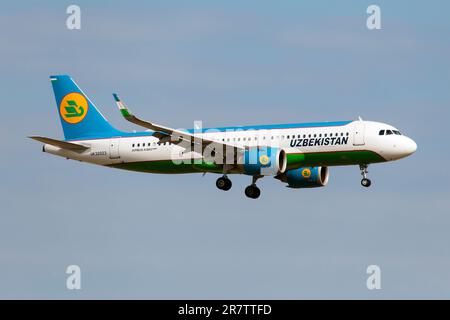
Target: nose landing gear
365, 182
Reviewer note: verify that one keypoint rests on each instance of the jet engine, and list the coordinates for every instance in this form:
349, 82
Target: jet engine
307, 177
264, 161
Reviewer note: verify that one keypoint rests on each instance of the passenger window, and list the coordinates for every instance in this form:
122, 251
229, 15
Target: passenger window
132, 145
381, 133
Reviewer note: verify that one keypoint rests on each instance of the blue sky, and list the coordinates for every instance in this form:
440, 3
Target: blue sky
226, 63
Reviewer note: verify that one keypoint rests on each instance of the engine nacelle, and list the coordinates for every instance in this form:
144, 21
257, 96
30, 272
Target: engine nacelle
308, 177
264, 161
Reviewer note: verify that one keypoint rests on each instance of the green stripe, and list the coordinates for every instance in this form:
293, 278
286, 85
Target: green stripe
296, 160
168, 166
340, 158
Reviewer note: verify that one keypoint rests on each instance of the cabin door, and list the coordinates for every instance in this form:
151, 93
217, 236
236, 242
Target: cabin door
114, 148
358, 133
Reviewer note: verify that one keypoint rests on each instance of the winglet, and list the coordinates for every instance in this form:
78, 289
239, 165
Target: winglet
122, 107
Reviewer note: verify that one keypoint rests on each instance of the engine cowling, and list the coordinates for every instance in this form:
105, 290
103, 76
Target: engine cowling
307, 177
265, 161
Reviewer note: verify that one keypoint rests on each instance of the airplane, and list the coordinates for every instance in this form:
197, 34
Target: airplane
297, 154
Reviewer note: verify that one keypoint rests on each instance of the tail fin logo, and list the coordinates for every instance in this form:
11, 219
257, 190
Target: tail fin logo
73, 108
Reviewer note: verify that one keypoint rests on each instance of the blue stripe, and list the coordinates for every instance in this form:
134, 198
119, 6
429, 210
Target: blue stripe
275, 126
120, 134
222, 129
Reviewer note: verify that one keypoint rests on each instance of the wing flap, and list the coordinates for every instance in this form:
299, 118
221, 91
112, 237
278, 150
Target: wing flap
176, 135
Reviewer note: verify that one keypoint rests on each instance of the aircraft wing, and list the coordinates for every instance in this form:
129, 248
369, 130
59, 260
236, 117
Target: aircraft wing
61, 144
176, 136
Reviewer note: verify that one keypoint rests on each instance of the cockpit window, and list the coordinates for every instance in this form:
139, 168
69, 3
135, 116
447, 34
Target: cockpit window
390, 132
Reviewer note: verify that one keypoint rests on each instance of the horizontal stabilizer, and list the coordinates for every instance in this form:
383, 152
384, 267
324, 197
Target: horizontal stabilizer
61, 144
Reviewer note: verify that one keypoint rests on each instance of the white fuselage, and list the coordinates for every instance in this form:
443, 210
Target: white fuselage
352, 137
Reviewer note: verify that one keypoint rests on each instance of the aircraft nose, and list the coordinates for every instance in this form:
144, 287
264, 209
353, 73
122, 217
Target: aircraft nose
410, 146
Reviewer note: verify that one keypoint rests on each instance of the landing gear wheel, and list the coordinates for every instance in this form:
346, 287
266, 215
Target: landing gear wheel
223, 183
366, 182
252, 192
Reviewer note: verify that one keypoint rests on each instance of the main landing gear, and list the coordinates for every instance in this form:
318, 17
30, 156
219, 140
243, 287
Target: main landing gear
252, 191
365, 182
223, 183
